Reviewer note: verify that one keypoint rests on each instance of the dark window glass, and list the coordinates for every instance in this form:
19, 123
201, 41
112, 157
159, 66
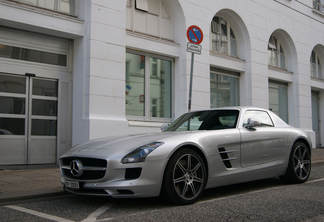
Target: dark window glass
44, 107
12, 126
11, 105
32, 55
11, 84
44, 88
41, 127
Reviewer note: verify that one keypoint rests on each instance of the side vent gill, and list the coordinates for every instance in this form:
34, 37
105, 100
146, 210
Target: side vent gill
224, 155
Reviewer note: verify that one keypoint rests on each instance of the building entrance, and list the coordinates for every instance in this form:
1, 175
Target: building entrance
28, 119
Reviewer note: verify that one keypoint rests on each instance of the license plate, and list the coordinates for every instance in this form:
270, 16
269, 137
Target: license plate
72, 184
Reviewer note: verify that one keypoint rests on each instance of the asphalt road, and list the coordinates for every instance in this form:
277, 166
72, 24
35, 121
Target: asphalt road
266, 200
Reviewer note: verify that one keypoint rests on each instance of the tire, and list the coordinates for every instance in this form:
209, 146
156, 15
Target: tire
299, 166
184, 178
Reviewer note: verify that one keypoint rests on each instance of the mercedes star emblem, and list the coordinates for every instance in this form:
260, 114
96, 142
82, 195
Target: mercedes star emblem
76, 168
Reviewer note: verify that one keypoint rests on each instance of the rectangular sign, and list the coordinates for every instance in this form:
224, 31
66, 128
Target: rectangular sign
194, 48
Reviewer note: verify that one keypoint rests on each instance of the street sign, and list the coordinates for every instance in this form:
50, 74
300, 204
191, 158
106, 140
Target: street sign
194, 48
195, 35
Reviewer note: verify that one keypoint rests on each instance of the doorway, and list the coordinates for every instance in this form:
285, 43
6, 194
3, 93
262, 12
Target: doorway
316, 117
28, 119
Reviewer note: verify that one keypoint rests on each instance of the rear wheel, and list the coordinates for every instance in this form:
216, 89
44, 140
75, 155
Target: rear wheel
299, 166
184, 178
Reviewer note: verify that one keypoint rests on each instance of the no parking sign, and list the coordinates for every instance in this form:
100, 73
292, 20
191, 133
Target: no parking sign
195, 37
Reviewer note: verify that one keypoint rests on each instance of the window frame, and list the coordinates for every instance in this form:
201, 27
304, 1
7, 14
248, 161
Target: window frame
319, 73
57, 6
256, 115
228, 74
147, 96
278, 46
318, 5
274, 84
229, 30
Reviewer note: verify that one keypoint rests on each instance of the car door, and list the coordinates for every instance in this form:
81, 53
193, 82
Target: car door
261, 144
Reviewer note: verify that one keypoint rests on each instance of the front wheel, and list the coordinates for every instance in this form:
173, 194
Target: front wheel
299, 166
184, 178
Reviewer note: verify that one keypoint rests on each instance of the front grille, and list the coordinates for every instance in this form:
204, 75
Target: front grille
88, 168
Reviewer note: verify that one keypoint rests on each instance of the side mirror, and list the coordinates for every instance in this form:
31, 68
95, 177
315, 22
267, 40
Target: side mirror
164, 126
252, 123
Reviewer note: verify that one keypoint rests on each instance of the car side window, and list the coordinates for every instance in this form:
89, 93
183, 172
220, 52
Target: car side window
261, 116
191, 124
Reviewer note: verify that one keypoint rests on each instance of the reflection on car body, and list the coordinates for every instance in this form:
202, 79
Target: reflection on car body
199, 150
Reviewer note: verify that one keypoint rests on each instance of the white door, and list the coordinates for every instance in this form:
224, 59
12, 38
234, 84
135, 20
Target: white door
28, 119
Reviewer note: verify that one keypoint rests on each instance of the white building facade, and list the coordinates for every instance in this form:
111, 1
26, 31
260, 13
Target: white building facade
75, 70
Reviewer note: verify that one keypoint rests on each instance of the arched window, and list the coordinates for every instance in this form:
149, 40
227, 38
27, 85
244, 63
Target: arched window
223, 37
316, 68
276, 55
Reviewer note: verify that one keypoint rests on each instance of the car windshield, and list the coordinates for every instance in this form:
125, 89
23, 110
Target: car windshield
205, 120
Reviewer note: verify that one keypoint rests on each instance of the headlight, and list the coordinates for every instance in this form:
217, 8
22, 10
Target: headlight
139, 154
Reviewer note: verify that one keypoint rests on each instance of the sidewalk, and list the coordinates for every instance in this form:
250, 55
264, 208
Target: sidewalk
21, 182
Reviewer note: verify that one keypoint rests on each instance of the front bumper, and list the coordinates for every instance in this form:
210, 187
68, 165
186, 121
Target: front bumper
120, 181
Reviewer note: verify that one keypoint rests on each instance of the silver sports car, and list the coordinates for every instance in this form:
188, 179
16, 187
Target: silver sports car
199, 150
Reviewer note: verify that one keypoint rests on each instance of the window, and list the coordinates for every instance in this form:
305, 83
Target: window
224, 90
316, 68
278, 100
223, 37
149, 17
318, 5
276, 55
206, 120
65, 6
262, 117
32, 55
148, 86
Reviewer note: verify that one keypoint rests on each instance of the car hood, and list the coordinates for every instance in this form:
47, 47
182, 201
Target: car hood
118, 145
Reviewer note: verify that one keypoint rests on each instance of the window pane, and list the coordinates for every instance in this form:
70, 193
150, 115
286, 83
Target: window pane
49, 4
11, 105
260, 116
12, 126
67, 6
232, 33
6, 51
224, 48
41, 127
44, 107
215, 25
33, 55
31, 2
135, 80
10, 84
313, 57
223, 27
224, 91
282, 61
313, 69
320, 71
160, 88
45, 88
278, 101
215, 42
233, 47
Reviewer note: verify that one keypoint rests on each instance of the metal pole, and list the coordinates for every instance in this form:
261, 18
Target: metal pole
190, 86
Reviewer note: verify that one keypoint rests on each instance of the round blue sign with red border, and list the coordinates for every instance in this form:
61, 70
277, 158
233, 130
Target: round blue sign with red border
195, 35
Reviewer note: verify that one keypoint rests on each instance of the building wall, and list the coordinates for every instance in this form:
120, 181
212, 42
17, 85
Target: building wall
101, 33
